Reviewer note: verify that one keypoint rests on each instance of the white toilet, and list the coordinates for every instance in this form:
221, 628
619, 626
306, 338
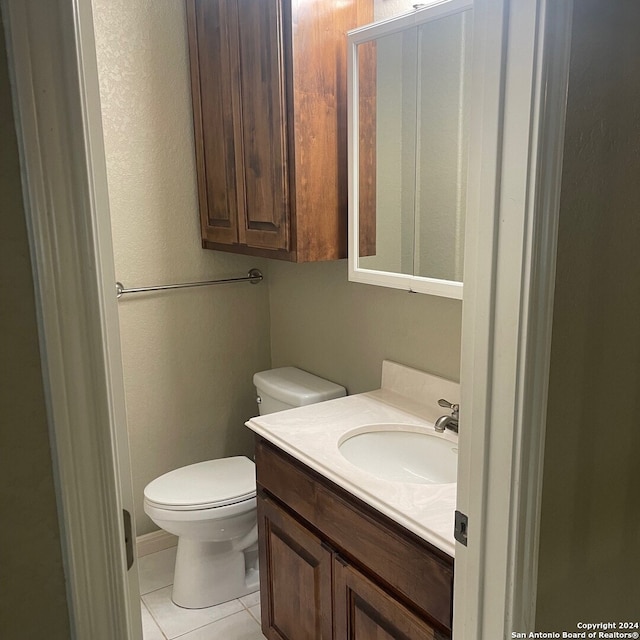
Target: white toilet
211, 506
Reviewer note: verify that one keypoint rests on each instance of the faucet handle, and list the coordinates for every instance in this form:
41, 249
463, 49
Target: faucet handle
455, 408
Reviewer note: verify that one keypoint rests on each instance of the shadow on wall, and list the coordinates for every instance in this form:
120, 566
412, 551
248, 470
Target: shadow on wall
30, 554
589, 561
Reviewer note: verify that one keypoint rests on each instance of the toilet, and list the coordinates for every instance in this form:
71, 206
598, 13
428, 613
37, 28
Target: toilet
211, 506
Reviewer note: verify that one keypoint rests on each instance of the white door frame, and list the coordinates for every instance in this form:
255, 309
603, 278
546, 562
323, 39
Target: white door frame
516, 152
521, 64
54, 78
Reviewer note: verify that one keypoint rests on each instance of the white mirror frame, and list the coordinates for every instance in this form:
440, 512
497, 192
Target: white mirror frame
414, 284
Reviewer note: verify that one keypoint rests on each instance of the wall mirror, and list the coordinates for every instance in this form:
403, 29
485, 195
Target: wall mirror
409, 80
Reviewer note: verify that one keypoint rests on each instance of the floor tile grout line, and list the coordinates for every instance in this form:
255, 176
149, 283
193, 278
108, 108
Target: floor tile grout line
206, 625
146, 593
154, 619
190, 630
164, 635
163, 568
195, 628
248, 609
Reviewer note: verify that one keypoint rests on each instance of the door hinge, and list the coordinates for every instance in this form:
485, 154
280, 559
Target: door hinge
128, 537
461, 527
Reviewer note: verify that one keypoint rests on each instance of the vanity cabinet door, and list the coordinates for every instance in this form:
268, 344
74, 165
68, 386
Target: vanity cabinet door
295, 577
364, 611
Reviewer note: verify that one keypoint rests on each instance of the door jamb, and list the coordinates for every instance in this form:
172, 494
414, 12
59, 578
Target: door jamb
522, 64
506, 313
52, 61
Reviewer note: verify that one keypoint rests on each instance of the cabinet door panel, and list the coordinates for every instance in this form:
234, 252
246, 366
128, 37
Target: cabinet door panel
212, 81
295, 581
264, 124
364, 611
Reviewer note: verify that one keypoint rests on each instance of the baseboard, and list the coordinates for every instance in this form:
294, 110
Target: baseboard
155, 541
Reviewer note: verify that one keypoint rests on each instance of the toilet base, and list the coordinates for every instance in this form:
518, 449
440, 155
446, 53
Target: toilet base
210, 573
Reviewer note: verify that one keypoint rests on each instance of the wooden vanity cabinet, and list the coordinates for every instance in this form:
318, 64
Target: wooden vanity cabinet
268, 83
331, 567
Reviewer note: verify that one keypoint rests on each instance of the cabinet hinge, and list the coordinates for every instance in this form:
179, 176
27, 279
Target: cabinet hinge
461, 527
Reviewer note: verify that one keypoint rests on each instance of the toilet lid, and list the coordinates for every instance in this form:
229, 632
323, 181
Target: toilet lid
204, 485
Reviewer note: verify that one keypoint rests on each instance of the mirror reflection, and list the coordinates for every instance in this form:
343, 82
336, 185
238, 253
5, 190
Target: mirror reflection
412, 148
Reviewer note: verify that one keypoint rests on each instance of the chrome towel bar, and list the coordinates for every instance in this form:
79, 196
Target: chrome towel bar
254, 276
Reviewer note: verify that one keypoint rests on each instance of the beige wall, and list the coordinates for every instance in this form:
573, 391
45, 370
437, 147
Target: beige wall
33, 601
189, 356
343, 330
590, 530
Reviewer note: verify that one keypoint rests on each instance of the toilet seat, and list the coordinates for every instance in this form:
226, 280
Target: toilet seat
199, 515
205, 485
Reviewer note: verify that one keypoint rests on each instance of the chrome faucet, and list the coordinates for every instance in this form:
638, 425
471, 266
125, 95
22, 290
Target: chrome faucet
448, 422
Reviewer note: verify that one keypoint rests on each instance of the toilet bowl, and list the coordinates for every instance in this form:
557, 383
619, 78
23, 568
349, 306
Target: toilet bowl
211, 505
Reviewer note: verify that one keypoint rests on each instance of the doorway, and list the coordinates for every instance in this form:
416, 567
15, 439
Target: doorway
100, 587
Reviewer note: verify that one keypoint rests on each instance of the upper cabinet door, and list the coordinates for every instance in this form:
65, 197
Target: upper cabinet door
214, 90
263, 126
239, 121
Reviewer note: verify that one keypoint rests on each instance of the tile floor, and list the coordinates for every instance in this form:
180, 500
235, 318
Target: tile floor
163, 620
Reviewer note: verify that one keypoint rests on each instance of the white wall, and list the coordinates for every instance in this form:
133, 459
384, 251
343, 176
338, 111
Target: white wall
590, 529
189, 355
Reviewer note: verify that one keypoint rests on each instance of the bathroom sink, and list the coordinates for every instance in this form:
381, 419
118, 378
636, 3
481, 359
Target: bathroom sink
392, 452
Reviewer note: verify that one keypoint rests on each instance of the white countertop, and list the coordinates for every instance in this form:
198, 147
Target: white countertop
311, 434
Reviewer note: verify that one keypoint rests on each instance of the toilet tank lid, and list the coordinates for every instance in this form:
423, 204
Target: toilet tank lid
296, 387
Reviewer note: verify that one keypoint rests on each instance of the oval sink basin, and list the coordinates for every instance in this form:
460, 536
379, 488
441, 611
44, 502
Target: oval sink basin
402, 456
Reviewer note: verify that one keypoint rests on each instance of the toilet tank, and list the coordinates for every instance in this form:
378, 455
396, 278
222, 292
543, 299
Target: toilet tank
289, 387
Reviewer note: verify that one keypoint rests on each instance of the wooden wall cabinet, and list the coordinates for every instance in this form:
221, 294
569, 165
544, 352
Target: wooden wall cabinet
332, 568
268, 83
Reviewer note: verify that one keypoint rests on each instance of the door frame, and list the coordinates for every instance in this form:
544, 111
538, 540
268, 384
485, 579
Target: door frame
54, 77
521, 69
520, 72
